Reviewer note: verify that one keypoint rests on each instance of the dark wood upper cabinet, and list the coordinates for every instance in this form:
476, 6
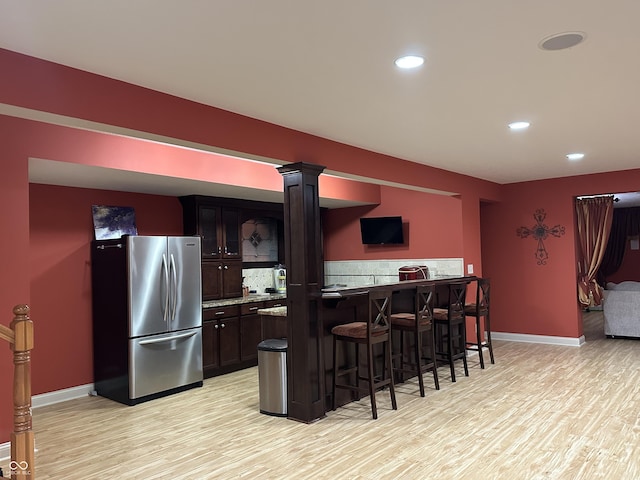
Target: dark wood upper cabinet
219, 229
219, 223
206, 224
230, 230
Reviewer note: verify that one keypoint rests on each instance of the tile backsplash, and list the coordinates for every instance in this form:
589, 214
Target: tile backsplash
354, 273
258, 279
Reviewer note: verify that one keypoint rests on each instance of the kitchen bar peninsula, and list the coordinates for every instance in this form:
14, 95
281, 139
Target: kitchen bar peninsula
350, 304
273, 322
309, 315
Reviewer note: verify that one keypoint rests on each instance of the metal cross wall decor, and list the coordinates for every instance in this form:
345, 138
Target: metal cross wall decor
540, 232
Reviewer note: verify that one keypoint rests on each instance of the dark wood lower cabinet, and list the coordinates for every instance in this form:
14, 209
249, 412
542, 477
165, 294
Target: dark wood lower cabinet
250, 331
230, 337
220, 340
220, 344
229, 341
209, 346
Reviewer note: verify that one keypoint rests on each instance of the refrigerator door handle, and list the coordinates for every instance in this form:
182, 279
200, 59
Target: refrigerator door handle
165, 310
167, 339
174, 288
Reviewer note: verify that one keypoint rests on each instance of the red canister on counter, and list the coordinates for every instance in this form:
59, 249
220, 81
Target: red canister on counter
413, 272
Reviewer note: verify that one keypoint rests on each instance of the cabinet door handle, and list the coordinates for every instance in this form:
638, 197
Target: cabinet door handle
219, 267
220, 313
222, 325
277, 305
253, 308
219, 249
226, 267
215, 326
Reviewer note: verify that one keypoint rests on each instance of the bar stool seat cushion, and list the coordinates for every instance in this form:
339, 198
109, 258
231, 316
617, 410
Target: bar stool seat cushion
355, 330
403, 315
407, 319
440, 314
471, 309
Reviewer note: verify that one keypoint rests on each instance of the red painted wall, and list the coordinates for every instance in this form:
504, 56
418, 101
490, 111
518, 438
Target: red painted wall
37, 84
330, 187
432, 227
14, 259
534, 298
527, 297
471, 235
61, 230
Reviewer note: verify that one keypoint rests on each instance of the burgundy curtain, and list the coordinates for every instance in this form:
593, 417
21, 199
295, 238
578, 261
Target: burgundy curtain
625, 224
594, 216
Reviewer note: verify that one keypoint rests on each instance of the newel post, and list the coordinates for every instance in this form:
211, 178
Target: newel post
22, 439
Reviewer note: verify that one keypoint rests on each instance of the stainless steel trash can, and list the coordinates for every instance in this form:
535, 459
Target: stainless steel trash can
272, 376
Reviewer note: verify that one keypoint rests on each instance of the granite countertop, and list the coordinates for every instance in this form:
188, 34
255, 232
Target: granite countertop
273, 311
343, 292
252, 297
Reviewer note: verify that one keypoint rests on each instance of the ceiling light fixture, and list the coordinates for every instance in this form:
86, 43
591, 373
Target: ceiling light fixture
519, 125
575, 156
409, 61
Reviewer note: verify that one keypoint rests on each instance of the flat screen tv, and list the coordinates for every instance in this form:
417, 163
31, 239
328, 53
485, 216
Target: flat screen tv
381, 230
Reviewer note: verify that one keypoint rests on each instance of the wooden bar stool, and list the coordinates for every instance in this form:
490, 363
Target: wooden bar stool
478, 310
453, 332
417, 323
376, 330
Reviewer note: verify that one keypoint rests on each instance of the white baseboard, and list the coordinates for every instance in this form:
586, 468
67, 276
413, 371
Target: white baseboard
546, 339
58, 396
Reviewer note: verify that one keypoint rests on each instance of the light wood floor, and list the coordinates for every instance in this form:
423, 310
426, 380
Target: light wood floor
541, 412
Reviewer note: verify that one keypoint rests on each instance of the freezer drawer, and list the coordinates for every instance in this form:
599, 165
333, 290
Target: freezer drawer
163, 362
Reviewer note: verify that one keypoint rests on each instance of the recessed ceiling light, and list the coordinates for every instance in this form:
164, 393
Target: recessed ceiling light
575, 156
519, 125
409, 61
560, 41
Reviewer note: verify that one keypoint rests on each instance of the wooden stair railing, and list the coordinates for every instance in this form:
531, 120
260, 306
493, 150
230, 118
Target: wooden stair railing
20, 338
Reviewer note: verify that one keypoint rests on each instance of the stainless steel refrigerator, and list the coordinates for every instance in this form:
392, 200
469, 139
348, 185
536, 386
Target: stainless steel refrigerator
147, 316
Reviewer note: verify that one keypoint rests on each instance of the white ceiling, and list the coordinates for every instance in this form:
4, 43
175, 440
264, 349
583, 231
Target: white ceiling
326, 68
